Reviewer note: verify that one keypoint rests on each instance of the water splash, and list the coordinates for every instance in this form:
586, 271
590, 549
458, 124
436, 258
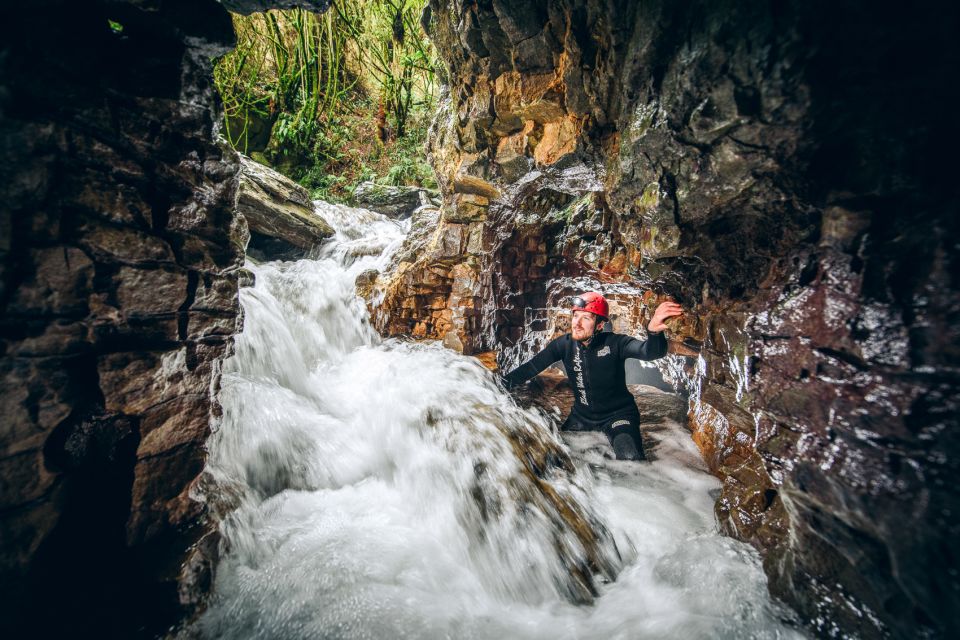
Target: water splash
376, 490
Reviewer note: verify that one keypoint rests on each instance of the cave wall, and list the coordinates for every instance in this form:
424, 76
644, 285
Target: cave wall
777, 168
119, 293
119, 253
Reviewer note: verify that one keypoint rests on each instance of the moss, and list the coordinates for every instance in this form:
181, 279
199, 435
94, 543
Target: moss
568, 213
643, 119
649, 199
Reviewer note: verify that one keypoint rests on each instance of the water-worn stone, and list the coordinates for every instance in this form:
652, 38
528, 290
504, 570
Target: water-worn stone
391, 201
730, 156
279, 213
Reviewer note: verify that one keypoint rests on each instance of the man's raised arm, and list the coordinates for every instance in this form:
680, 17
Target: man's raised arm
655, 346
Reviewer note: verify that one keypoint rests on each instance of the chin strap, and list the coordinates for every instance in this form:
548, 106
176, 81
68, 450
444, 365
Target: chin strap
597, 328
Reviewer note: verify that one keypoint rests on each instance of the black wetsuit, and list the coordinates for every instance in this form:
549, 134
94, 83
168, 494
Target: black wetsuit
601, 401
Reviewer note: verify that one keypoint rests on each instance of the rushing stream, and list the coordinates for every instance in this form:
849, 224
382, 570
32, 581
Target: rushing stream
371, 491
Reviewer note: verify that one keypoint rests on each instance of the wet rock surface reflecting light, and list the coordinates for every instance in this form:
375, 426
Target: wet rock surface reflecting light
777, 170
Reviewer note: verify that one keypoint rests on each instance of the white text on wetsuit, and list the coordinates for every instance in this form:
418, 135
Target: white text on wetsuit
578, 369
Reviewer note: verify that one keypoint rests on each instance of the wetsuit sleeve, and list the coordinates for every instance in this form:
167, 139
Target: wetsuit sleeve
655, 346
550, 354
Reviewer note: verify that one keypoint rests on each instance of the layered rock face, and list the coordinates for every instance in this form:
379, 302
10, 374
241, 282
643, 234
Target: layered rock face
279, 214
773, 168
119, 254
119, 301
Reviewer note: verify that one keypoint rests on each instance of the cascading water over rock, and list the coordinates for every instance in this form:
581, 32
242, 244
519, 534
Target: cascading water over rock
374, 489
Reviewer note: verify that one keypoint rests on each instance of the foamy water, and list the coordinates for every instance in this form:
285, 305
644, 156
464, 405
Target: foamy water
376, 493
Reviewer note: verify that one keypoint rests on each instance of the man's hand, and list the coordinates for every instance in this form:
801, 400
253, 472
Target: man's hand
664, 311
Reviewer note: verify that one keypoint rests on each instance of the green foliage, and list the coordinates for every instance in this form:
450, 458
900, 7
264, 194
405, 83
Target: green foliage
408, 161
336, 98
288, 68
322, 185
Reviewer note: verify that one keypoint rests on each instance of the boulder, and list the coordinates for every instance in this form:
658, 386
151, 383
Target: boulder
394, 202
283, 224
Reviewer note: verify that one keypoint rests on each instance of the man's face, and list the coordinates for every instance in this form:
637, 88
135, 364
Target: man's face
582, 325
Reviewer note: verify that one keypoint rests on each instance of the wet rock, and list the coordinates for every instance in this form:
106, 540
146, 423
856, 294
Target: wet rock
245, 278
428, 294
391, 201
559, 138
279, 213
584, 546
467, 208
118, 231
694, 153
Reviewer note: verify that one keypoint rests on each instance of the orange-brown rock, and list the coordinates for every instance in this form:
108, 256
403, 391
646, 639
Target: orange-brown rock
558, 139
431, 294
487, 359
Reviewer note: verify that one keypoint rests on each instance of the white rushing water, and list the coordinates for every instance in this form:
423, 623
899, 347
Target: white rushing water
376, 495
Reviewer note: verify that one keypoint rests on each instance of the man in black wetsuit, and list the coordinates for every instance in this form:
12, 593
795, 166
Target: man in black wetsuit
594, 362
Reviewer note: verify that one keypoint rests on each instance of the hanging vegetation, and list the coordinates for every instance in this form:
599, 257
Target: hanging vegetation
332, 99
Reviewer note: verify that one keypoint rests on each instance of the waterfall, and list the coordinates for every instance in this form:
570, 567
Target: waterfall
373, 488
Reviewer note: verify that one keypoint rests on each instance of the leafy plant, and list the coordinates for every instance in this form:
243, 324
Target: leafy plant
335, 98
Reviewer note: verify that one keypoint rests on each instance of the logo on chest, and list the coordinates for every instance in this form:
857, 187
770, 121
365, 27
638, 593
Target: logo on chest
578, 369
603, 352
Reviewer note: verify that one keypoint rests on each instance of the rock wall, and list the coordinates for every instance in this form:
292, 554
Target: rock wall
776, 168
119, 254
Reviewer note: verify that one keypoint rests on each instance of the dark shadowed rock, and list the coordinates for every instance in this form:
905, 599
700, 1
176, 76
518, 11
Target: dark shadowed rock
119, 254
777, 168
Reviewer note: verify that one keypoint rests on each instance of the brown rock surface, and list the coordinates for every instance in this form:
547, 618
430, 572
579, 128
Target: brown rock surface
119, 257
735, 159
776, 169
279, 213
392, 201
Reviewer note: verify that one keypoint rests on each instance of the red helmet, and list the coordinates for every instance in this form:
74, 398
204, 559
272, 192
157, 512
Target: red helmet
593, 302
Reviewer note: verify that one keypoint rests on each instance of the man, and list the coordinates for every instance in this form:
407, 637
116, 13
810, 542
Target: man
594, 363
